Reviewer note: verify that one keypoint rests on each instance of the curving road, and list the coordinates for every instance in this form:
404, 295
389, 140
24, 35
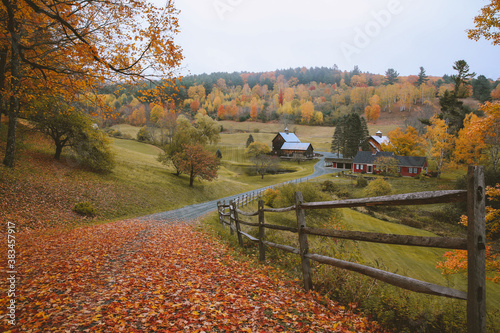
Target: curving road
192, 212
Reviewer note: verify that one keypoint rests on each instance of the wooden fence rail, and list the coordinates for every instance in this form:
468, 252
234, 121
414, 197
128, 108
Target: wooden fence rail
474, 243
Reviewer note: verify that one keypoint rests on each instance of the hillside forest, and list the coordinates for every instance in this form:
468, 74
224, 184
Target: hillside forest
312, 96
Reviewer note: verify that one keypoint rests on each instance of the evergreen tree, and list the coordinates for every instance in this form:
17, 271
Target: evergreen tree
463, 75
453, 111
391, 76
482, 89
350, 134
422, 77
250, 140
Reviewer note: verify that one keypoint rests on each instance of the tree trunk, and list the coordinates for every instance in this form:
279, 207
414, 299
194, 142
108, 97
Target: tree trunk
15, 81
191, 177
59, 148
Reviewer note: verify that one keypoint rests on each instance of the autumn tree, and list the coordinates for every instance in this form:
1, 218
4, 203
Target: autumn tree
257, 148
197, 162
490, 129
487, 23
203, 131
438, 143
372, 111
387, 165
69, 50
469, 145
405, 143
64, 124
307, 112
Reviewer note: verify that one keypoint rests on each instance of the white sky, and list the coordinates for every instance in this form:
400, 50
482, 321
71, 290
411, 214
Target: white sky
264, 35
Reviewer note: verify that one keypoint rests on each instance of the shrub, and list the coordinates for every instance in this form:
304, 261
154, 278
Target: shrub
361, 182
143, 134
343, 193
329, 186
84, 209
270, 196
378, 187
94, 151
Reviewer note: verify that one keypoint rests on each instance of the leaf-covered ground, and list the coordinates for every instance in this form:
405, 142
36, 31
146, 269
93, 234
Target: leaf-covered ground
138, 276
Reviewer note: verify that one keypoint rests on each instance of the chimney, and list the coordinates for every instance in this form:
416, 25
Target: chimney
286, 130
379, 134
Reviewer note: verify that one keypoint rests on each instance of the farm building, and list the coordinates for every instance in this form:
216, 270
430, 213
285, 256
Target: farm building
375, 142
364, 162
286, 144
337, 161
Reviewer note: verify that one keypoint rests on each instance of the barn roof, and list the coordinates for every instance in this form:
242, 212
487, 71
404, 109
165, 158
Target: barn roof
295, 146
290, 137
380, 140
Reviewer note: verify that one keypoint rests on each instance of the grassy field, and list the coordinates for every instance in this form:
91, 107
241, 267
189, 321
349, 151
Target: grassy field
319, 136
236, 133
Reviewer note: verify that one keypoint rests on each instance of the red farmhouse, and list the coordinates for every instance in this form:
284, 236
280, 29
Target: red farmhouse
364, 162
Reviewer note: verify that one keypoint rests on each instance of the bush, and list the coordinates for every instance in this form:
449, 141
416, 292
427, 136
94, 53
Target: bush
329, 186
378, 187
361, 182
343, 193
94, 151
143, 134
270, 196
84, 209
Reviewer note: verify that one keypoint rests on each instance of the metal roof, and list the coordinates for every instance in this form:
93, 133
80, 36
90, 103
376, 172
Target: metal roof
295, 146
290, 137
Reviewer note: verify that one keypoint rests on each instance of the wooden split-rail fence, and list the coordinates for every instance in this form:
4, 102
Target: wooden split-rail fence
475, 243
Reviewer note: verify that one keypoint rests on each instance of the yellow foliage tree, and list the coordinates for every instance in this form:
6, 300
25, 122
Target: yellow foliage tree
306, 112
469, 144
438, 143
405, 143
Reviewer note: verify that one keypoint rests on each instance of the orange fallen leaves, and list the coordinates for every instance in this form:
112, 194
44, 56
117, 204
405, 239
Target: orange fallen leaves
138, 276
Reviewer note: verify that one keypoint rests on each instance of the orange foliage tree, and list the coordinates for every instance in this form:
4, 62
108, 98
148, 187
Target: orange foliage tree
487, 23
469, 144
66, 48
372, 111
195, 161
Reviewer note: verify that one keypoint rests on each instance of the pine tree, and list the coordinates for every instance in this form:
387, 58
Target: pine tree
422, 77
350, 134
250, 140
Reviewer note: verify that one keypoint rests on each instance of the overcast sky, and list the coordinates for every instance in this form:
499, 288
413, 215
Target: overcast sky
264, 35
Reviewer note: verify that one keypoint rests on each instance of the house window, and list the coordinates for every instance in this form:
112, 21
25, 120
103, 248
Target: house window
399, 169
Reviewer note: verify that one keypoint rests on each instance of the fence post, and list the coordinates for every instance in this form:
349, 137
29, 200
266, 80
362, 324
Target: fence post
218, 211
476, 248
262, 230
237, 225
304, 245
232, 208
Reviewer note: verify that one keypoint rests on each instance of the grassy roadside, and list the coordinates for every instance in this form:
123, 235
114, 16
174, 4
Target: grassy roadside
401, 310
